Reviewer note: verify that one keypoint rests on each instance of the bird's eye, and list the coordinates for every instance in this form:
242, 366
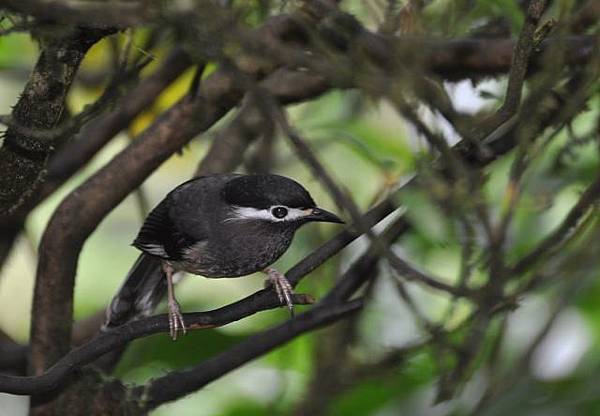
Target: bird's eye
279, 212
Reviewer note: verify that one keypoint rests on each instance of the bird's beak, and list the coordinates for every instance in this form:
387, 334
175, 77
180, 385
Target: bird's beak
321, 215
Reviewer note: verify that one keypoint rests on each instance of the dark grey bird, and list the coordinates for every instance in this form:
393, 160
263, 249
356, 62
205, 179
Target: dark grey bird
225, 225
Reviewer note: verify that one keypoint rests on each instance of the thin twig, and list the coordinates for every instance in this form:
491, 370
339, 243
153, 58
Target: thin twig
566, 229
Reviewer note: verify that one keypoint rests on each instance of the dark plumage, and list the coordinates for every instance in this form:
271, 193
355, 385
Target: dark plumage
263, 191
226, 225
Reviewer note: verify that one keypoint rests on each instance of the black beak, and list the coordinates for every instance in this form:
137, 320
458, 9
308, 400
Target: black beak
321, 215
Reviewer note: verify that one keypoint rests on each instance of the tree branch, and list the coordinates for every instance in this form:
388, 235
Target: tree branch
520, 58
178, 384
563, 232
42, 105
284, 85
69, 366
120, 14
93, 137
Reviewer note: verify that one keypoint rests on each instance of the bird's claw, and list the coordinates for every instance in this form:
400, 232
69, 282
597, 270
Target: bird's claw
175, 320
283, 288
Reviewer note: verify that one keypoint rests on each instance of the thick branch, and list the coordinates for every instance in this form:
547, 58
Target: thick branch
73, 156
41, 106
98, 132
476, 58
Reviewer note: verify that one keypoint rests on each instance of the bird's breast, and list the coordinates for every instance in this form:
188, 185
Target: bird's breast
234, 254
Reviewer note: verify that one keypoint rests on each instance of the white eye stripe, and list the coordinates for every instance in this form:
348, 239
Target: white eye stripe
248, 213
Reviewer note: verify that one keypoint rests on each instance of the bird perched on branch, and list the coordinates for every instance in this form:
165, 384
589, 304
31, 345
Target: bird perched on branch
225, 225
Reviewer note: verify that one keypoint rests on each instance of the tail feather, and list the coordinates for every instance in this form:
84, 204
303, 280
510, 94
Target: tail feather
143, 289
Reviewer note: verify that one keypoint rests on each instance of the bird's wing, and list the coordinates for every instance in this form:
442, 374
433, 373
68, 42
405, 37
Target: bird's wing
160, 235
184, 218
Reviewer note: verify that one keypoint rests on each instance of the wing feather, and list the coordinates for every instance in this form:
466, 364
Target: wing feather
179, 221
160, 236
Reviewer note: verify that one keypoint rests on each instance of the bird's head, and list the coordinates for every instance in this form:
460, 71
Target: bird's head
274, 199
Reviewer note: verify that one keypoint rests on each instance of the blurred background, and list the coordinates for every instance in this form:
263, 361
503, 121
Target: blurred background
547, 360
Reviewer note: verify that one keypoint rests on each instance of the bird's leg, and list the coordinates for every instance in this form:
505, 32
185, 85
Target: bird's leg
282, 286
175, 317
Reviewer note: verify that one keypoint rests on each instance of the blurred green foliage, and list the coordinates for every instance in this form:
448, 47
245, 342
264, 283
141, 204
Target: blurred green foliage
367, 147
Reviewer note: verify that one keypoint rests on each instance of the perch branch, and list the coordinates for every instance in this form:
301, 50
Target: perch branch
178, 384
65, 368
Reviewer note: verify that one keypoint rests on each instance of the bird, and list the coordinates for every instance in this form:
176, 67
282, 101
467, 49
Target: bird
216, 226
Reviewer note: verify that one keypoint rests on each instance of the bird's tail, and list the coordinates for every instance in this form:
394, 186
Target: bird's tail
142, 291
